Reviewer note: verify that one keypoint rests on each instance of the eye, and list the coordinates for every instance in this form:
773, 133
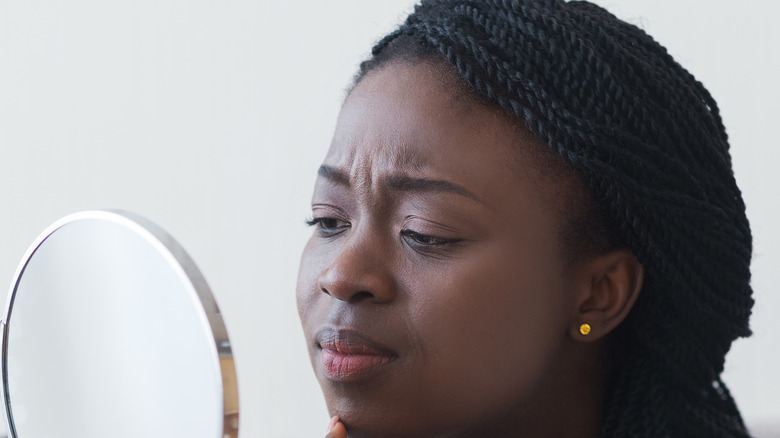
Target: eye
425, 240
328, 225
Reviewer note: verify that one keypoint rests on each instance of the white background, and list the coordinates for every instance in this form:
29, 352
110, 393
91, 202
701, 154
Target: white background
211, 117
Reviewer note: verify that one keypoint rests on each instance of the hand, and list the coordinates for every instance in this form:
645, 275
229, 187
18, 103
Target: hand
336, 429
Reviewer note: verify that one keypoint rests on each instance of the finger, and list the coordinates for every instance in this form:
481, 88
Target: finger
336, 428
333, 420
338, 431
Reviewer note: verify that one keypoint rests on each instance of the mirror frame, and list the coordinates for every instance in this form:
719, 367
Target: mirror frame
199, 292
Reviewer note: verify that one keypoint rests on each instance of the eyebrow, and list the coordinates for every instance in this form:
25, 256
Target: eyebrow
402, 183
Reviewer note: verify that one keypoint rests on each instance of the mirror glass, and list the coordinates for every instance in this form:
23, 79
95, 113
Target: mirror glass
111, 331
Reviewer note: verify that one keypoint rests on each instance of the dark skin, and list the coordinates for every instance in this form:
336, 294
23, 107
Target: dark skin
438, 238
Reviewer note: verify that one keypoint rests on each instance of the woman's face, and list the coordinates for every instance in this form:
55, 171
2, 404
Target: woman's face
432, 292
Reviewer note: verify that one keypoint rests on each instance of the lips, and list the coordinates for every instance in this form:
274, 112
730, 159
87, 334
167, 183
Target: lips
347, 355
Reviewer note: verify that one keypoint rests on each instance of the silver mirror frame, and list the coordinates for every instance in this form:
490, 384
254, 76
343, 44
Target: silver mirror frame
199, 291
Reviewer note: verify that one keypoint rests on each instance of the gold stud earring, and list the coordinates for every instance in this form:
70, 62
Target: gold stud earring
585, 329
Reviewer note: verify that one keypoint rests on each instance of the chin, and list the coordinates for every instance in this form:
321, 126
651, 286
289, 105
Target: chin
378, 420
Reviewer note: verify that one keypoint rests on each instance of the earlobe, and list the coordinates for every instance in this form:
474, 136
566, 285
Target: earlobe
609, 285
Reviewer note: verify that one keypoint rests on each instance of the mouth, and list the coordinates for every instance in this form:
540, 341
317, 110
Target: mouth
348, 356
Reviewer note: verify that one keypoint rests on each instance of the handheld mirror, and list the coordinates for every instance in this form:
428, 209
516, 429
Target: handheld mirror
110, 330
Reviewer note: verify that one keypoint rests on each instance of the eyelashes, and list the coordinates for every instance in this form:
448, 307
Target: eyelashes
323, 222
330, 226
427, 240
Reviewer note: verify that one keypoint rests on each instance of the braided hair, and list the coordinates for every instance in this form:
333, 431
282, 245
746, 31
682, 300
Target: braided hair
646, 139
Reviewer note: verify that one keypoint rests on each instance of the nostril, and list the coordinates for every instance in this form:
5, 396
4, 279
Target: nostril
362, 295
355, 297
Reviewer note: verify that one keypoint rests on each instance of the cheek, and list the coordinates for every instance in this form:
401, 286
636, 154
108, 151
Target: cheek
493, 326
306, 291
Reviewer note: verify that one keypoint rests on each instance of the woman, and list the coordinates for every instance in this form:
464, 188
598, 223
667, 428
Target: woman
526, 225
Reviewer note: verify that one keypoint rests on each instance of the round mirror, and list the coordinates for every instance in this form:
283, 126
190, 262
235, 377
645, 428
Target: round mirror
111, 331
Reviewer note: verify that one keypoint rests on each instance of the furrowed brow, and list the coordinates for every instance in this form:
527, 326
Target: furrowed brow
404, 183
334, 175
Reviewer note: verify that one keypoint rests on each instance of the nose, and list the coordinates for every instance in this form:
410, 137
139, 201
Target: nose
361, 271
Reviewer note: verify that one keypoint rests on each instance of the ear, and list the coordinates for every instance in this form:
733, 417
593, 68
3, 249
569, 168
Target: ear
606, 289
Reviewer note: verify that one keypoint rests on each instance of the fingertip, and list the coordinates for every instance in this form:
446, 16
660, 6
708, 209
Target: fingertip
332, 423
339, 431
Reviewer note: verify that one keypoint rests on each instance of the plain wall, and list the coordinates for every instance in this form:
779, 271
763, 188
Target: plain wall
211, 117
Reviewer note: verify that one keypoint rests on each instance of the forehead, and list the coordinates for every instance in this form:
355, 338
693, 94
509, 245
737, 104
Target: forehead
409, 118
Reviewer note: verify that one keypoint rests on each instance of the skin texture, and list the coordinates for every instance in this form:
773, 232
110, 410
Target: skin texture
462, 283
